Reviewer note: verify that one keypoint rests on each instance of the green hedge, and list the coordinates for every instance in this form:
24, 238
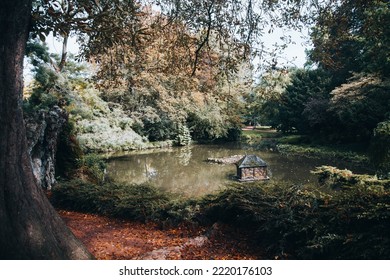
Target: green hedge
138, 202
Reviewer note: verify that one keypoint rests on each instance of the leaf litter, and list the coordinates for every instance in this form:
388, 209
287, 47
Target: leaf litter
118, 239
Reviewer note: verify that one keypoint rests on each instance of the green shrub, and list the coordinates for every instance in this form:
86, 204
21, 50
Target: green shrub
183, 137
302, 222
335, 178
380, 149
137, 202
69, 153
94, 166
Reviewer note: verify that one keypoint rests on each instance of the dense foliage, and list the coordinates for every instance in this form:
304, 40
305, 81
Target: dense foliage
380, 149
305, 223
93, 124
311, 105
155, 84
187, 66
134, 202
301, 107
343, 97
359, 105
351, 36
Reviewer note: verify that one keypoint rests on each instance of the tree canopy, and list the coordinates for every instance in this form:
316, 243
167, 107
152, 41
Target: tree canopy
352, 36
189, 64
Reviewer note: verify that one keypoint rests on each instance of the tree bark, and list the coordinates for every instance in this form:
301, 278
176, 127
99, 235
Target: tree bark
30, 228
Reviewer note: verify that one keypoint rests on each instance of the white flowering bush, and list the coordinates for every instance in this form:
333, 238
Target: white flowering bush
102, 126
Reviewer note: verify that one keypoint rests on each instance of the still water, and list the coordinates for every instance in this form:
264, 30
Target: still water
185, 170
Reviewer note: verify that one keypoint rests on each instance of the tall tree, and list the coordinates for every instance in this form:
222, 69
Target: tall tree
302, 104
30, 226
353, 36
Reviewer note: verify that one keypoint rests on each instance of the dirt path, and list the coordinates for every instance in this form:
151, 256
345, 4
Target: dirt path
109, 238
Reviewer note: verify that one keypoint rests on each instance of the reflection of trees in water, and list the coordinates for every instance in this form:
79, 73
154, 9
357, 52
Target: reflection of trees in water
150, 172
185, 154
185, 171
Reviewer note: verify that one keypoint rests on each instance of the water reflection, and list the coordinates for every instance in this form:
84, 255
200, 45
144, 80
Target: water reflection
185, 154
185, 170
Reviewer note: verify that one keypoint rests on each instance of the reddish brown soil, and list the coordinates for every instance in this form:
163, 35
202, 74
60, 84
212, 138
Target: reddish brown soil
108, 238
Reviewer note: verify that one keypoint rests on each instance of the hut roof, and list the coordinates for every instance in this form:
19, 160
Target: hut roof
251, 161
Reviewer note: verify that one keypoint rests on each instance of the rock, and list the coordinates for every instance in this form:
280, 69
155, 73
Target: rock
163, 253
43, 129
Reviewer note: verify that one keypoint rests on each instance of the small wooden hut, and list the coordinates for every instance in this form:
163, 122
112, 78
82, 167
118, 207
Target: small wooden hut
252, 168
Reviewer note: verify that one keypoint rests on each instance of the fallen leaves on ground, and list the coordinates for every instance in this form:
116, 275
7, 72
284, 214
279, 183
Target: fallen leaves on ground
116, 239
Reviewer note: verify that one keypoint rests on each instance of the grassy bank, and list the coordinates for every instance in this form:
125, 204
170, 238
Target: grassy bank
260, 137
300, 145
288, 221
323, 152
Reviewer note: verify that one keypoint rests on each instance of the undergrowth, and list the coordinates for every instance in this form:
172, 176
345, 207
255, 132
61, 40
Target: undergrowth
288, 221
139, 202
301, 222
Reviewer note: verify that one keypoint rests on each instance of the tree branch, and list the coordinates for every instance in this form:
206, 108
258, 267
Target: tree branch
64, 53
205, 39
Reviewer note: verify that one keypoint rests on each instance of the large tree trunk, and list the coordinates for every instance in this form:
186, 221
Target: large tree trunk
30, 228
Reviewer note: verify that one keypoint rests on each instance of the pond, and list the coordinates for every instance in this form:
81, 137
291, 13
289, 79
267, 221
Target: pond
185, 171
